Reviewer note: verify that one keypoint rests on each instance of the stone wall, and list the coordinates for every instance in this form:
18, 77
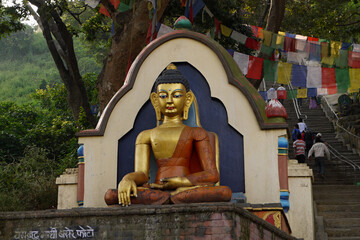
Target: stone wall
191, 221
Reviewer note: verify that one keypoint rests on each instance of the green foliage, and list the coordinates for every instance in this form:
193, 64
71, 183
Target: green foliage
26, 65
332, 20
28, 184
10, 19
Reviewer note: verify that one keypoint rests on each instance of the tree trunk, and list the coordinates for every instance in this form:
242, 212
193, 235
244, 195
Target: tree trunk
127, 42
276, 15
60, 44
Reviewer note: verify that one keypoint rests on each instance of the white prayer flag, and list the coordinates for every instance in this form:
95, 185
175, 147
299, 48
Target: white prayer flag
241, 38
313, 78
242, 61
164, 30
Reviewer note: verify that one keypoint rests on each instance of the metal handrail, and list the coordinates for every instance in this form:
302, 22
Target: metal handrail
328, 105
331, 109
342, 157
296, 105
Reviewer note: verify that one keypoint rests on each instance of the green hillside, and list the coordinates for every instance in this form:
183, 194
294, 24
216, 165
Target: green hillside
26, 64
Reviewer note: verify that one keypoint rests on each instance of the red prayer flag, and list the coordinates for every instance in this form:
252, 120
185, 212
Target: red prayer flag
191, 15
252, 44
354, 59
313, 39
104, 11
290, 44
183, 3
281, 94
148, 35
328, 79
254, 29
217, 26
332, 90
255, 67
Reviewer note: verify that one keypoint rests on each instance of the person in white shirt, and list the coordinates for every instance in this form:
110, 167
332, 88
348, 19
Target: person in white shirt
302, 125
319, 149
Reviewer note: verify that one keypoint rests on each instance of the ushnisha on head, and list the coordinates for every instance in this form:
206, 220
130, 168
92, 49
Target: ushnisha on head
173, 96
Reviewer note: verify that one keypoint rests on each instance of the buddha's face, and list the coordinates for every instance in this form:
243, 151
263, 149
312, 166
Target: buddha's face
172, 98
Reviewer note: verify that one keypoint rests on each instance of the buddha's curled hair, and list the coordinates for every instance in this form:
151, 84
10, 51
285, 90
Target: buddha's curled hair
172, 75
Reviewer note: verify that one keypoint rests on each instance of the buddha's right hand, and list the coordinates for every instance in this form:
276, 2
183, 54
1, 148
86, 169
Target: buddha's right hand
126, 188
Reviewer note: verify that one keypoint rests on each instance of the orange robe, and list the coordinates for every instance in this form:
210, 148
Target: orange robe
194, 159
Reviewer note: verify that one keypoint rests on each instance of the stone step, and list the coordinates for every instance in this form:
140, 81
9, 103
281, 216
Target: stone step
336, 188
343, 232
347, 208
338, 196
343, 201
341, 214
344, 238
342, 222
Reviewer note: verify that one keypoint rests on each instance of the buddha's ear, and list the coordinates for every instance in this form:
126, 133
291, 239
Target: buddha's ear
155, 102
188, 101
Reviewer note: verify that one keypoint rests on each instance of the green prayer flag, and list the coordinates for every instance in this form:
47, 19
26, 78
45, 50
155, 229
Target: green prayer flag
342, 60
270, 70
267, 50
291, 94
342, 79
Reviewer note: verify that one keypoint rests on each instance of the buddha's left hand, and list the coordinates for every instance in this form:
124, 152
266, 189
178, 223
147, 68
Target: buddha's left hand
175, 182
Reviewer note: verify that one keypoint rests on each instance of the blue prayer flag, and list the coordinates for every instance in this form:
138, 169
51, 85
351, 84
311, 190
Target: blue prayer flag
231, 52
345, 46
312, 92
315, 52
197, 6
263, 95
290, 35
298, 75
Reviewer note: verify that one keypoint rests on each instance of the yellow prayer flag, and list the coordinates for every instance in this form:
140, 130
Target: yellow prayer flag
302, 93
335, 48
267, 37
328, 60
225, 30
280, 38
354, 79
324, 49
284, 73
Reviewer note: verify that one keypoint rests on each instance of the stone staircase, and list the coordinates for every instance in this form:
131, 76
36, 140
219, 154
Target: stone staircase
337, 197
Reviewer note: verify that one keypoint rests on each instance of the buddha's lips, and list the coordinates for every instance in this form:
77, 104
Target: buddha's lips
170, 108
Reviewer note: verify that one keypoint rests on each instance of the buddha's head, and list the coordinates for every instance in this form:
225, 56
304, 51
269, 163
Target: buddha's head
173, 96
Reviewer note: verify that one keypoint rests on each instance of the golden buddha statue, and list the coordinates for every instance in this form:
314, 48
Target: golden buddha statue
179, 179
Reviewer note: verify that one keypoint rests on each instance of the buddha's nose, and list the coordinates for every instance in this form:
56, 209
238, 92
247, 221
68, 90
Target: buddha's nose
169, 98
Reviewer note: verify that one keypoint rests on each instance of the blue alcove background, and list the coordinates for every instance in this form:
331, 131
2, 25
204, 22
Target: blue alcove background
213, 118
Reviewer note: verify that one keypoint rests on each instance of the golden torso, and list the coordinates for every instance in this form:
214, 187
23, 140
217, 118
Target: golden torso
164, 140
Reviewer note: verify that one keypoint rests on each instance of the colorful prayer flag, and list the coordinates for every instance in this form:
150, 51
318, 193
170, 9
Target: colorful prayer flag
335, 48
252, 44
281, 94
328, 77
255, 67
312, 92
301, 43
342, 79
266, 50
260, 33
301, 93
241, 38
270, 70
291, 94
284, 73
354, 79
315, 52
298, 76
354, 59
271, 94
313, 78
267, 37
242, 61
342, 60
263, 94
289, 45
225, 30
